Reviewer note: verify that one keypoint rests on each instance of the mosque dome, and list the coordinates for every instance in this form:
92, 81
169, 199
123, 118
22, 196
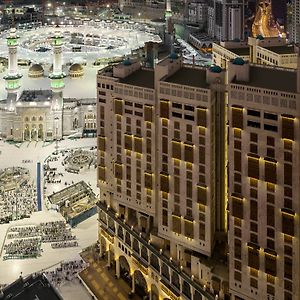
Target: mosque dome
76, 70
127, 62
260, 37
173, 55
238, 61
215, 69
35, 71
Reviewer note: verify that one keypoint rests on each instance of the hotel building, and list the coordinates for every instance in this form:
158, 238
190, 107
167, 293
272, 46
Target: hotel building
161, 174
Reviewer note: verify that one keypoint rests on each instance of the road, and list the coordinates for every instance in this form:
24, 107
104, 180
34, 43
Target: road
263, 22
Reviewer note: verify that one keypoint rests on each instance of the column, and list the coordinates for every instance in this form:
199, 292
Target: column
118, 267
100, 246
133, 284
108, 256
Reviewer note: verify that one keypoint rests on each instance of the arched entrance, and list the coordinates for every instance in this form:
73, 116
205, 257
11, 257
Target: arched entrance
34, 134
26, 133
125, 269
154, 292
140, 284
40, 132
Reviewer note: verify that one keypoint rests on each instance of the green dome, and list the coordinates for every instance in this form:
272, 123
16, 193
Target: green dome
215, 69
260, 37
238, 61
173, 55
127, 62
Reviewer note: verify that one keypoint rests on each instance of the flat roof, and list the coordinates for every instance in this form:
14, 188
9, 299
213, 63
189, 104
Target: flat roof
272, 78
193, 77
143, 78
243, 51
286, 49
31, 288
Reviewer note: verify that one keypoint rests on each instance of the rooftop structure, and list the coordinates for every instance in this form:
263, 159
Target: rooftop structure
268, 51
76, 202
30, 288
272, 78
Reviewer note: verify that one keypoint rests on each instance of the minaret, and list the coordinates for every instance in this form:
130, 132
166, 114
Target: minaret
57, 84
13, 76
168, 15
169, 32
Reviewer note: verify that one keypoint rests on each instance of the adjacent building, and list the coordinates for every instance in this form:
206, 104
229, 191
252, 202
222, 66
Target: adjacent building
197, 13
294, 34
263, 173
226, 19
274, 51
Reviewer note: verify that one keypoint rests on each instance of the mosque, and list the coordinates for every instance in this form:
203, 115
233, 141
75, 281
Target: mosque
40, 111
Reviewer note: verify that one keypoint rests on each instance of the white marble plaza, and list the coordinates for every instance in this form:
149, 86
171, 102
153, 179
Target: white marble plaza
27, 155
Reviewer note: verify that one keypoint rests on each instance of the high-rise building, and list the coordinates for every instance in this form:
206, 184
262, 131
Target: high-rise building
263, 191
161, 174
226, 19
295, 26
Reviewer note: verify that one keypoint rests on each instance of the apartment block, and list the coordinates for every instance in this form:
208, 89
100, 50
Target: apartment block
263, 191
161, 174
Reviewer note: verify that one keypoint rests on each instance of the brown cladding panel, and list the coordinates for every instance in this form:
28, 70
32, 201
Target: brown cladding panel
237, 208
189, 153
237, 161
201, 154
118, 107
176, 222
202, 195
118, 171
201, 117
148, 181
270, 215
237, 117
176, 149
270, 172
148, 113
101, 143
128, 142
253, 258
138, 145
189, 229
165, 143
288, 174
253, 167
164, 109
164, 183
101, 173
288, 226
288, 128
270, 265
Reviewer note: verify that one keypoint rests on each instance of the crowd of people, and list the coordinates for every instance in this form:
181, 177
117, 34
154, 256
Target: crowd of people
23, 248
66, 244
56, 231
18, 203
25, 241
67, 271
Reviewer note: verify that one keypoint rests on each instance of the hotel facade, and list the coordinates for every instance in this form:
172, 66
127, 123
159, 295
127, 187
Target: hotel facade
199, 180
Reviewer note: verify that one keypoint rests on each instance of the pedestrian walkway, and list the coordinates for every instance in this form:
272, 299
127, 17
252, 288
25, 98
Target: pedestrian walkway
102, 282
